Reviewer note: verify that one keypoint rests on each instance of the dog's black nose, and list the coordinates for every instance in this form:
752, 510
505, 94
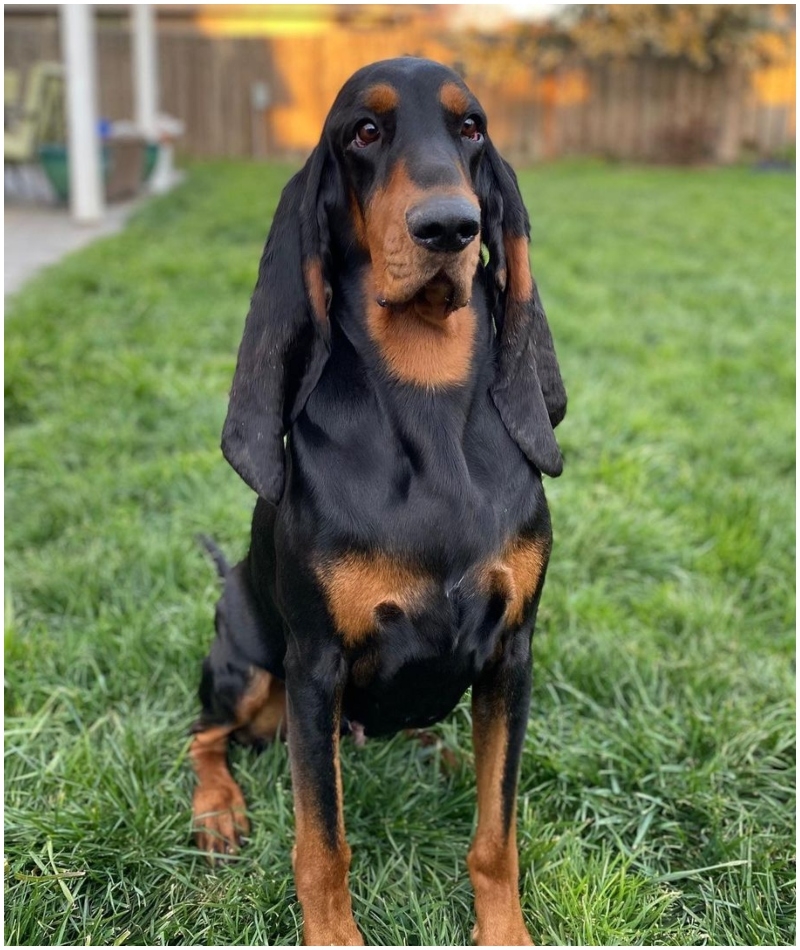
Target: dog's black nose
444, 224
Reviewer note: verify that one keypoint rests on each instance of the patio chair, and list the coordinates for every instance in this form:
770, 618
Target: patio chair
11, 86
40, 118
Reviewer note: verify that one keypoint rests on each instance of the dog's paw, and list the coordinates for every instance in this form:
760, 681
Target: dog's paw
219, 818
510, 934
343, 933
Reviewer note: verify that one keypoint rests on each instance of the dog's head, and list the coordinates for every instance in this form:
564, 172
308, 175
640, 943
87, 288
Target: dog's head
410, 136
405, 176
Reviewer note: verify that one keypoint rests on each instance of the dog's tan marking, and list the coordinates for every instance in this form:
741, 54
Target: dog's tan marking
419, 344
262, 709
381, 97
356, 584
321, 868
315, 285
391, 249
518, 262
218, 806
400, 267
359, 225
453, 98
515, 574
420, 350
321, 875
492, 860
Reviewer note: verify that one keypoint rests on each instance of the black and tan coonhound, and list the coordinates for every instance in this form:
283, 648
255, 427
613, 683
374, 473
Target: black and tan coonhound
393, 406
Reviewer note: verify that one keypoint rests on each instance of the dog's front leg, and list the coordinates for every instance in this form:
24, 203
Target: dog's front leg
321, 855
500, 701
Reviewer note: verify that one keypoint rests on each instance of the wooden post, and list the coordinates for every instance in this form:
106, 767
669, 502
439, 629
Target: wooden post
85, 171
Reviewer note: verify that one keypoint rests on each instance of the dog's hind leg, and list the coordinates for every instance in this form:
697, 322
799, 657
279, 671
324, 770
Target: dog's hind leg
258, 716
218, 806
240, 701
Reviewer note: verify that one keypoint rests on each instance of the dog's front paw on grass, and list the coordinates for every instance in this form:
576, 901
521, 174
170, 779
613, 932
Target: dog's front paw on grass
342, 933
219, 819
509, 934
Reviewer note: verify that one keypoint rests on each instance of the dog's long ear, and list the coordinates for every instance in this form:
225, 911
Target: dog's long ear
286, 338
527, 389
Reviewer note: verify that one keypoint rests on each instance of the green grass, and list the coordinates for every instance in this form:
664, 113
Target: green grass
657, 795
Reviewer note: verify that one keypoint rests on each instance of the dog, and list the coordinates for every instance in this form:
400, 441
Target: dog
393, 407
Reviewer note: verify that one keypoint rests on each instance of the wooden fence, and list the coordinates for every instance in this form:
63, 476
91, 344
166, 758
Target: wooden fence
635, 110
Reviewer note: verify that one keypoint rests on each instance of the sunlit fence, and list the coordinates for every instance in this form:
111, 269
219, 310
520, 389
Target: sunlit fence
267, 97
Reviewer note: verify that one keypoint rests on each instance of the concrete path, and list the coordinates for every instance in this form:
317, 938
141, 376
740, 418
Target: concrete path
39, 232
38, 235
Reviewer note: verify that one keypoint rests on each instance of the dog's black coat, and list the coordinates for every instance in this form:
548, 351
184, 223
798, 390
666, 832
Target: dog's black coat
439, 477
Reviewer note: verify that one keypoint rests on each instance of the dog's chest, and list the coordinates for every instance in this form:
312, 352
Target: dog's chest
423, 528
422, 479
415, 640
415, 643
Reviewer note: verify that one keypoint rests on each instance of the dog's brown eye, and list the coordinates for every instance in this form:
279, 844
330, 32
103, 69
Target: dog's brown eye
366, 134
470, 129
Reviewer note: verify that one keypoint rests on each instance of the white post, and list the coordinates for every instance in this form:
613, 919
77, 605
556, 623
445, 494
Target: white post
145, 71
85, 172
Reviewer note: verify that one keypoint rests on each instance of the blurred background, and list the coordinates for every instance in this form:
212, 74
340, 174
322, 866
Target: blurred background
656, 83
655, 150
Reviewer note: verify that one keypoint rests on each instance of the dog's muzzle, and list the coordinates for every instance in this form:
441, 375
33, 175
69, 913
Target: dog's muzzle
444, 224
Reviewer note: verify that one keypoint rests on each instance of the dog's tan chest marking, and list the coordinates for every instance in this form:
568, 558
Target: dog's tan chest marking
422, 351
515, 574
355, 585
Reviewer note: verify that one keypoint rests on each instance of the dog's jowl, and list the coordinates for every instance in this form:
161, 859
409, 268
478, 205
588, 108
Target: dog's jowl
393, 408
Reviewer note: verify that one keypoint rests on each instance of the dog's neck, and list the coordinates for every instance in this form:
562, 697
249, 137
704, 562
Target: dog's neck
413, 346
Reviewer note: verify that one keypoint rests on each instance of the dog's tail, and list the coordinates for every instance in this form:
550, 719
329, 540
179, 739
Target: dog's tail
222, 566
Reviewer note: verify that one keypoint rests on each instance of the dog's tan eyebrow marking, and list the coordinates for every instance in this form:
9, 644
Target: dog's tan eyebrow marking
381, 97
453, 97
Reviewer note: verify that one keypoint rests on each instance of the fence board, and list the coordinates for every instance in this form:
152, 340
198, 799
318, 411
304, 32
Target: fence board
644, 110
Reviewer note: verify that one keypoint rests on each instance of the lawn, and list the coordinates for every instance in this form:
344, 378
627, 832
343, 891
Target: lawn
657, 791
